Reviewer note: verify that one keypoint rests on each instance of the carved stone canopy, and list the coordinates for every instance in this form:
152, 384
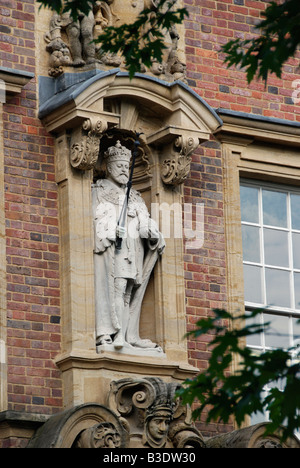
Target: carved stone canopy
172, 118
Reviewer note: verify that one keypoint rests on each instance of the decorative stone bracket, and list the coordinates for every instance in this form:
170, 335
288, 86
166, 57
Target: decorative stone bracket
141, 404
84, 147
176, 166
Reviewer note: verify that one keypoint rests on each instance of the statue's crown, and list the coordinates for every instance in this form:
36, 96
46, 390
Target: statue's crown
117, 153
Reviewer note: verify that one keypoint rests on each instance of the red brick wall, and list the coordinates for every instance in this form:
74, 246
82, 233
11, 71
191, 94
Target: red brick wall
205, 268
33, 314
212, 24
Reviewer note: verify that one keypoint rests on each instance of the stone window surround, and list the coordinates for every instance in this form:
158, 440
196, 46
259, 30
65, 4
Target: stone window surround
259, 148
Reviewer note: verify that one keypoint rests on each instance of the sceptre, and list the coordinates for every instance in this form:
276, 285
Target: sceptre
121, 226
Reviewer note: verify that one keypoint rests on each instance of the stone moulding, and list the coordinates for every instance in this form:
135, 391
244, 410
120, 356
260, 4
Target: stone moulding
176, 97
14, 80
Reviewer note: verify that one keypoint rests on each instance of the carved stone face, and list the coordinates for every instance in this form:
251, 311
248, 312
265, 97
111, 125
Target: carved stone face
157, 428
118, 172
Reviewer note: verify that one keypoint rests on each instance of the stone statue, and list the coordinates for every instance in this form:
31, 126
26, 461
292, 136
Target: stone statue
80, 36
157, 421
71, 43
59, 50
122, 274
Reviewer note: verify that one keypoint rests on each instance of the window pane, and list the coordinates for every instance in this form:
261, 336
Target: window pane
296, 331
296, 250
249, 204
275, 208
295, 208
254, 340
297, 290
251, 244
277, 334
276, 248
252, 278
278, 287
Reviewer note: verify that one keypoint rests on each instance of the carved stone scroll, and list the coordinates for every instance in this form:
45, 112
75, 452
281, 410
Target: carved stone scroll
103, 435
84, 149
176, 167
152, 415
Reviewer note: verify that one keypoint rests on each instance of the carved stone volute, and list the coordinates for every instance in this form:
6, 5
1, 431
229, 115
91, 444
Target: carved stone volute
103, 435
84, 149
177, 160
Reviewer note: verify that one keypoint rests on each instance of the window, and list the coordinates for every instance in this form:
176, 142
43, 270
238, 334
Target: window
271, 257
271, 260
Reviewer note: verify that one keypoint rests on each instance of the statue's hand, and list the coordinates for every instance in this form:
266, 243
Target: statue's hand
144, 232
153, 231
149, 230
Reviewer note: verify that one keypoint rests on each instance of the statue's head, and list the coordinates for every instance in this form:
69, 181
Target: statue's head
117, 163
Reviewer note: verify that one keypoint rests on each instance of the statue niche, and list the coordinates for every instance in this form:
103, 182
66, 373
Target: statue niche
127, 246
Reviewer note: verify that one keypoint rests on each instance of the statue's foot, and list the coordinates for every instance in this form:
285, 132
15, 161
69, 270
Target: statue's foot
119, 340
104, 339
78, 62
144, 344
91, 60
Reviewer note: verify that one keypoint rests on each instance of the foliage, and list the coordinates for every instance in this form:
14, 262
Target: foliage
279, 37
72, 6
242, 393
140, 42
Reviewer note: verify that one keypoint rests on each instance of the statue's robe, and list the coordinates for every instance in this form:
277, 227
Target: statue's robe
111, 263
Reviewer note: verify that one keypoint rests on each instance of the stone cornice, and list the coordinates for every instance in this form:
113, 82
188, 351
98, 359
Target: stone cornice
14, 79
247, 128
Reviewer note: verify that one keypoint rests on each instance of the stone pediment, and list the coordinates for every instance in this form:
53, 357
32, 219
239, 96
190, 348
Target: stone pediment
164, 110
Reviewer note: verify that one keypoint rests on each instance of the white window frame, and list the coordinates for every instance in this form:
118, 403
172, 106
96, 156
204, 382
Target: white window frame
289, 312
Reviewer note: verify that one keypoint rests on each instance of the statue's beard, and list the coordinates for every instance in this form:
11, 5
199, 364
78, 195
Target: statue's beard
122, 179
